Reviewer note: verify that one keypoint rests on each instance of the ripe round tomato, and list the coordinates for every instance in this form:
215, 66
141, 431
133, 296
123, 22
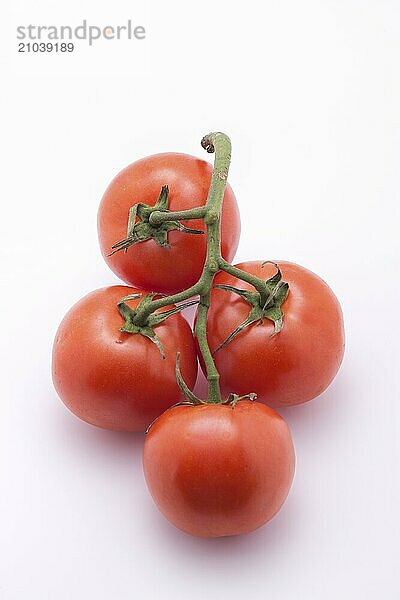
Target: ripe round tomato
293, 366
118, 380
146, 264
214, 470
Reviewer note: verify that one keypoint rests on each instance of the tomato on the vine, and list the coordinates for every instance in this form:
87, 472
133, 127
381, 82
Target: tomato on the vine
292, 366
113, 379
147, 264
216, 470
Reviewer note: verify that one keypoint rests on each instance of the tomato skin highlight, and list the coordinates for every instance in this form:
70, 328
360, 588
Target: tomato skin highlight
118, 380
295, 365
214, 470
147, 265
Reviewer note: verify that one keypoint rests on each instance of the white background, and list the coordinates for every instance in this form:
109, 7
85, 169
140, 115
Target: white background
309, 93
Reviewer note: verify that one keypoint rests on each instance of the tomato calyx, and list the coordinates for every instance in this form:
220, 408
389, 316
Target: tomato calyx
134, 324
142, 228
265, 305
233, 399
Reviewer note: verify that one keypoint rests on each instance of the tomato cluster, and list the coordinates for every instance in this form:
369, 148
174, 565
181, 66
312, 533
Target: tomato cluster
213, 469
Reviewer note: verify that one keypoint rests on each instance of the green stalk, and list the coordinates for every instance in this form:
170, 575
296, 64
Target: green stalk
221, 145
257, 283
157, 217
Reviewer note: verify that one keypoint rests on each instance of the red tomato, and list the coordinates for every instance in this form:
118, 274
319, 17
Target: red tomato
118, 380
295, 365
214, 470
146, 264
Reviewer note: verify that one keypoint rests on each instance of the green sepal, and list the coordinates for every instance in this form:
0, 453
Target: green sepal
140, 229
275, 279
162, 202
275, 315
186, 391
270, 308
249, 296
255, 314
159, 317
125, 310
132, 219
276, 288
152, 336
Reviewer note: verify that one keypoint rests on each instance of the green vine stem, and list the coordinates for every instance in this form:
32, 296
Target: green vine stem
157, 217
211, 213
258, 284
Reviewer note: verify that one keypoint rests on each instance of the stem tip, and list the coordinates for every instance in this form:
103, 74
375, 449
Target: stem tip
207, 144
